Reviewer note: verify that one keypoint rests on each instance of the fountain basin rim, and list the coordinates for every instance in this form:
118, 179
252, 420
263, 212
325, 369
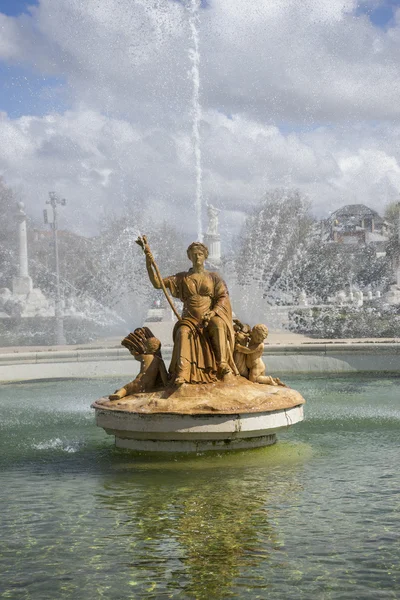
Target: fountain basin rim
242, 397
234, 412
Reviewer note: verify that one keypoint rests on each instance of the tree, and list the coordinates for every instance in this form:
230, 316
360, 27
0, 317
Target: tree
392, 211
119, 277
326, 268
271, 239
108, 269
392, 214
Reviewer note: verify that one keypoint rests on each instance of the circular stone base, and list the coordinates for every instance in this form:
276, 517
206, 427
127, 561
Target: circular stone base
195, 446
199, 418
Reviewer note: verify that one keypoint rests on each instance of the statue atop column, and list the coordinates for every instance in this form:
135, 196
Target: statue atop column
212, 237
213, 220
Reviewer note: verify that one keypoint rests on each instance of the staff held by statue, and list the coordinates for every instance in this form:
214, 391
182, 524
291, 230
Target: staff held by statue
143, 243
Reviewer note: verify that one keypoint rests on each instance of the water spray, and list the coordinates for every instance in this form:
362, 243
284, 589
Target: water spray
194, 56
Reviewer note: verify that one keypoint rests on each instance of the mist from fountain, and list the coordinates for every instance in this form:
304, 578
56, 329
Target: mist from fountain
194, 56
123, 287
270, 251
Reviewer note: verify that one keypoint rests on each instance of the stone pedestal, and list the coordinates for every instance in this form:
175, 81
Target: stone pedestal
22, 286
198, 418
213, 243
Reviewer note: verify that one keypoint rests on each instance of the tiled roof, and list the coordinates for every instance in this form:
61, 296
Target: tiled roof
358, 211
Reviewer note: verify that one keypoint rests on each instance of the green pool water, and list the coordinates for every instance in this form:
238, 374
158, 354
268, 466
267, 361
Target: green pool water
317, 516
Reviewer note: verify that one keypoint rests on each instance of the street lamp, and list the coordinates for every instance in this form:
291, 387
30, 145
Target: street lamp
54, 201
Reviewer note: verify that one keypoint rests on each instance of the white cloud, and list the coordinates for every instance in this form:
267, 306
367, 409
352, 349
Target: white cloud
294, 94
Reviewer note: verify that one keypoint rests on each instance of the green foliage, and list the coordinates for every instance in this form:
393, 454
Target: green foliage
392, 213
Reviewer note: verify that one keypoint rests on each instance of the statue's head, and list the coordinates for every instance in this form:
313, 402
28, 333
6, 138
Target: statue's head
152, 345
259, 333
142, 341
241, 338
195, 250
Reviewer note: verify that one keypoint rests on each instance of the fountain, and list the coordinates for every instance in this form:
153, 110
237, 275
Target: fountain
216, 395
194, 56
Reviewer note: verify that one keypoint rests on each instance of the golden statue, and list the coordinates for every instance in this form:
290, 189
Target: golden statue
207, 342
203, 337
242, 337
147, 350
249, 349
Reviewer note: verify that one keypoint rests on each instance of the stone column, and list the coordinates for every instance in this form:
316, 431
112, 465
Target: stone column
22, 284
212, 239
213, 242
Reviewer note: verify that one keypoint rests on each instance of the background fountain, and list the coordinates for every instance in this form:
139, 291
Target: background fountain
187, 125
194, 55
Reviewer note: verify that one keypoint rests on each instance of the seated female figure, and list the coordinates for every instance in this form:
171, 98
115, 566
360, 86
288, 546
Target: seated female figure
203, 338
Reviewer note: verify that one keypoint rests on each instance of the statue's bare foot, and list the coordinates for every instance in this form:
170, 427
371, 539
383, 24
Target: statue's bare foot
179, 381
279, 382
229, 377
223, 370
118, 394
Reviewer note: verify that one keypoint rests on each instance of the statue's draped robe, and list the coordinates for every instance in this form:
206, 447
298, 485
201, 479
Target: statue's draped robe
193, 353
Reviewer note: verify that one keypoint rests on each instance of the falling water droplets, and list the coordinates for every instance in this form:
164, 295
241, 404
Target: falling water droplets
194, 56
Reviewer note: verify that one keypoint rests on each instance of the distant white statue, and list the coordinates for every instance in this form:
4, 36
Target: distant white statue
213, 219
341, 297
359, 298
303, 301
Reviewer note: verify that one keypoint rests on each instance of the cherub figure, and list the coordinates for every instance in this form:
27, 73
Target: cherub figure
253, 354
147, 350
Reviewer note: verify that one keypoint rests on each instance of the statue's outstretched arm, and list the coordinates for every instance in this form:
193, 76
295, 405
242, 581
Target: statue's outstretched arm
243, 349
151, 272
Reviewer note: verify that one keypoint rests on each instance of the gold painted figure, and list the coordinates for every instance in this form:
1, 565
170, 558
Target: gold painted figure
204, 338
242, 337
147, 350
253, 353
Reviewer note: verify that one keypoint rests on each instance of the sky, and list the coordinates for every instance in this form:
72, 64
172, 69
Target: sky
96, 104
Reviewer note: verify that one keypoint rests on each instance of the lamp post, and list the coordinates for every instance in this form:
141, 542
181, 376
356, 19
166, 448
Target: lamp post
54, 201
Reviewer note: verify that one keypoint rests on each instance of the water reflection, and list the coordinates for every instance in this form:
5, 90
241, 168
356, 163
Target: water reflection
204, 531
315, 516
